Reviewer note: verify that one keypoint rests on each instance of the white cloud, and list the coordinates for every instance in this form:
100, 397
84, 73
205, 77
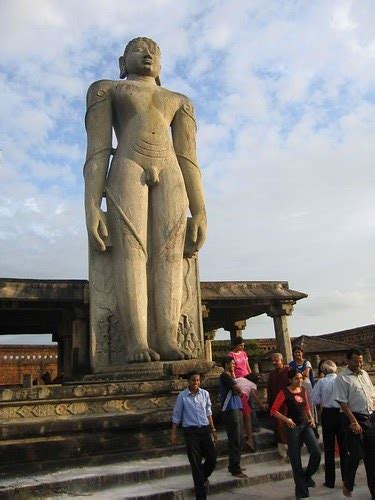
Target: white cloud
284, 100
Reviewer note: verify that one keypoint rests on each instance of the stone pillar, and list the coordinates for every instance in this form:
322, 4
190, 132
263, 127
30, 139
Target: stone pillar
64, 334
235, 328
80, 343
67, 357
208, 338
208, 350
280, 313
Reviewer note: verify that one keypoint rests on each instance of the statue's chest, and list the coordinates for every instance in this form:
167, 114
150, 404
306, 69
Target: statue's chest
136, 98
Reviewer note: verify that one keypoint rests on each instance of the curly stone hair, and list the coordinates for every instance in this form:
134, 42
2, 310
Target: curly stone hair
148, 41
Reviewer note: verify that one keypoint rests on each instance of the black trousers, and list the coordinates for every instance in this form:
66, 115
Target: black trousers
359, 446
199, 445
331, 427
234, 426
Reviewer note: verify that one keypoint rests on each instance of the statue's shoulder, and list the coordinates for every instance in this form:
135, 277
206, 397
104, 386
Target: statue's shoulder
183, 100
180, 99
99, 89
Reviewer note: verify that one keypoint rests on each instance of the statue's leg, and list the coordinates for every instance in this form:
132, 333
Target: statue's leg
127, 202
168, 206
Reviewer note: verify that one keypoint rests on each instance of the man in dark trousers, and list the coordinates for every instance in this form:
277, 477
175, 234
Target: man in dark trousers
355, 393
231, 407
324, 394
193, 411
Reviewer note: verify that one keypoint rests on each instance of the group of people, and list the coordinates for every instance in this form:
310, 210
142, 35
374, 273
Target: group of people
346, 402
347, 409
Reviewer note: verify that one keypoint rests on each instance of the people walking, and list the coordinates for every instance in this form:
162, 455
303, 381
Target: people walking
193, 411
242, 369
278, 380
323, 395
299, 424
231, 407
355, 393
303, 365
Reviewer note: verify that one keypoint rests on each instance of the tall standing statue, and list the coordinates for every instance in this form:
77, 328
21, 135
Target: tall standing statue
150, 182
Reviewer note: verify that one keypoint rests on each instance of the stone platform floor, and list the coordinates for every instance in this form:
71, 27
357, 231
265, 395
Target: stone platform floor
168, 477
283, 490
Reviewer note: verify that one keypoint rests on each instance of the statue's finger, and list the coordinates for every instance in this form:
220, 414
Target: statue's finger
103, 229
194, 232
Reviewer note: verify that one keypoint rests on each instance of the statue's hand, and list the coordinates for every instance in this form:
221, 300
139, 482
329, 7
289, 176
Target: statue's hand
195, 234
97, 228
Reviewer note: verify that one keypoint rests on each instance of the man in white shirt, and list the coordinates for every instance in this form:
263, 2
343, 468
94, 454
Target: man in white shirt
355, 393
324, 394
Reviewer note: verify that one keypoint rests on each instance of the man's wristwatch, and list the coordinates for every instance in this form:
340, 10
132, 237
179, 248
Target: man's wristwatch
213, 430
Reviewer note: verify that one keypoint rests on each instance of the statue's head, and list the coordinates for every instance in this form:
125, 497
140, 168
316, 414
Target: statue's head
141, 57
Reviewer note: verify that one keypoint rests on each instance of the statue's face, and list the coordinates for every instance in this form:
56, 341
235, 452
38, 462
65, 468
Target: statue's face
143, 59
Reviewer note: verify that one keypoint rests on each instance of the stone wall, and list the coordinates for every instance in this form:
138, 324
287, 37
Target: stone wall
19, 360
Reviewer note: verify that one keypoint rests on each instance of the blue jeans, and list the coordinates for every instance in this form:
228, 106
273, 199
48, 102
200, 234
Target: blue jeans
302, 434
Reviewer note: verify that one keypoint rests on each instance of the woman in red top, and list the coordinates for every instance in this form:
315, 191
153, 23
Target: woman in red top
299, 429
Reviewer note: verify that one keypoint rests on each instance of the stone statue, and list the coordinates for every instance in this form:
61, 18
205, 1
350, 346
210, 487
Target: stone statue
151, 181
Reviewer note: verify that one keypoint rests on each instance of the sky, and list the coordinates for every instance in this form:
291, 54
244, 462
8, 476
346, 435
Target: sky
284, 96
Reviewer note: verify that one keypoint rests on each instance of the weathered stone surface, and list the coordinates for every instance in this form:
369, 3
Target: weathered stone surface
126, 470
77, 420
144, 299
183, 367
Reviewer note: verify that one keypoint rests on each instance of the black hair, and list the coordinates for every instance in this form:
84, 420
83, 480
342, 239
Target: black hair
191, 373
253, 377
297, 348
353, 350
237, 341
292, 373
226, 360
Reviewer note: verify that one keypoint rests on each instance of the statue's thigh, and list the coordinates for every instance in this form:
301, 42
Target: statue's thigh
168, 200
127, 194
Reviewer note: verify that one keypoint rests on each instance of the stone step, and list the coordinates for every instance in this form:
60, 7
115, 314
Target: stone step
45, 453
180, 487
73, 481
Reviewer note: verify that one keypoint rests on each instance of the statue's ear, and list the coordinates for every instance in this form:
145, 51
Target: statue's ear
157, 80
121, 63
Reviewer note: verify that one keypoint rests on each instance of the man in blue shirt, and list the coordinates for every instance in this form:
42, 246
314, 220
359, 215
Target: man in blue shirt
231, 406
193, 411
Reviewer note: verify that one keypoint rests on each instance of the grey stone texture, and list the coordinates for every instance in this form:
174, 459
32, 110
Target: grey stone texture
144, 296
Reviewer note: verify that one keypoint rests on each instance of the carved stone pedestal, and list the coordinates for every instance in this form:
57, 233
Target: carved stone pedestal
76, 422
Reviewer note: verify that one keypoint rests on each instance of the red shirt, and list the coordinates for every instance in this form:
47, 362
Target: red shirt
296, 404
277, 379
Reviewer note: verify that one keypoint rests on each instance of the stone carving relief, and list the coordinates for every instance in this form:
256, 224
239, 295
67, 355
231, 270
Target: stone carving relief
80, 408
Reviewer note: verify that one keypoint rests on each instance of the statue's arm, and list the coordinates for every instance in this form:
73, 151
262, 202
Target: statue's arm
184, 134
98, 123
